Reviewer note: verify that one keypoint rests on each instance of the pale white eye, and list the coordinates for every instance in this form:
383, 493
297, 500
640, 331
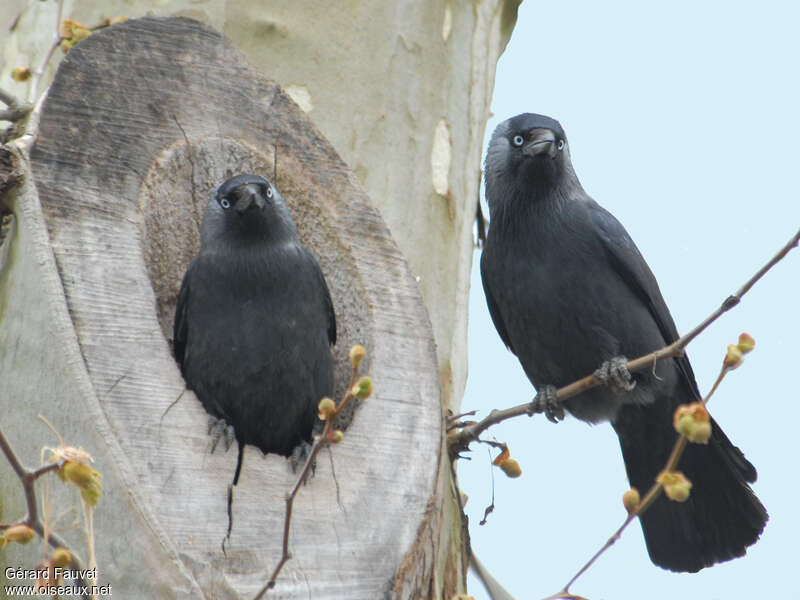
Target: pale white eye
560, 144
518, 140
225, 203
269, 192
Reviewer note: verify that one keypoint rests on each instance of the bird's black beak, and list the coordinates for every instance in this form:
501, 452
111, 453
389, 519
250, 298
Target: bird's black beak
541, 141
250, 198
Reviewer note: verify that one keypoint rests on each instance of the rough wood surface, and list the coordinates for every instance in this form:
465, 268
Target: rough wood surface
401, 89
142, 121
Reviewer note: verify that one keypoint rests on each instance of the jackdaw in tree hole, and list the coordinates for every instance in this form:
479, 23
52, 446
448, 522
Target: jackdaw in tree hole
254, 322
568, 292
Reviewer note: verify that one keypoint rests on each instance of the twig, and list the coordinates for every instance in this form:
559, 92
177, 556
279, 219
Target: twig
321, 441
454, 418
458, 442
8, 98
453, 421
493, 587
16, 108
652, 494
33, 92
28, 477
25, 141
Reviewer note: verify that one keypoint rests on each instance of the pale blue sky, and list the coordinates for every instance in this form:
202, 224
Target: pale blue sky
683, 122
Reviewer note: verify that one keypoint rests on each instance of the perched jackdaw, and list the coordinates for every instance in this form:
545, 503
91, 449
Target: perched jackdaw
254, 321
568, 290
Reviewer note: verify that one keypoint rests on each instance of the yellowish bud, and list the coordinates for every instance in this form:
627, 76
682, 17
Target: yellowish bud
22, 534
61, 557
693, 421
505, 454
746, 343
631, 499
80, 33
357, 354
363, 388
683, 423
21, 73
676, 486
79, 473
511, 468
733, 358
336, 436
91, 496
327, 409
68, 27
85, 478
700, 434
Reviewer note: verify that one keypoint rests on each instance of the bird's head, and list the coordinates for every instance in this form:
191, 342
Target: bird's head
245, 194
528, 151
247, 207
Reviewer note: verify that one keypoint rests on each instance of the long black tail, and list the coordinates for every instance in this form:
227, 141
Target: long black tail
722, 516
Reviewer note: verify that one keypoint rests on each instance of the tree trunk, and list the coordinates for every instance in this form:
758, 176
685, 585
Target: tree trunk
144, 120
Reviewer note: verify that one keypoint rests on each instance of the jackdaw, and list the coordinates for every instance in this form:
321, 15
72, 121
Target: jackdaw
568, 291
254, 321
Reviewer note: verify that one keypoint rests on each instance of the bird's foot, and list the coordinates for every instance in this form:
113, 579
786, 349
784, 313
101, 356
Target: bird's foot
299, 457
219, 429
548, 403
614, 372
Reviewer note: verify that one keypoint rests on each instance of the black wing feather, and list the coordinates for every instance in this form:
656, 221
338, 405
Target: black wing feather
331, 313
628, 262
180, 326
494, 310
328, 302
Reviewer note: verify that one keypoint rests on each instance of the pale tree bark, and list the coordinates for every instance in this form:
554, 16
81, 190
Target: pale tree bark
401, 91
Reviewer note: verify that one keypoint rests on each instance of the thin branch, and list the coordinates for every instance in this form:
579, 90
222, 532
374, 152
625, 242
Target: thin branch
12, 457
39, 72
454, 418
564, 593
16, 108
453, 421
493, 587
458, 442
652, 494
36, 473
25, 141
321, 441
8, 98
28, 477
